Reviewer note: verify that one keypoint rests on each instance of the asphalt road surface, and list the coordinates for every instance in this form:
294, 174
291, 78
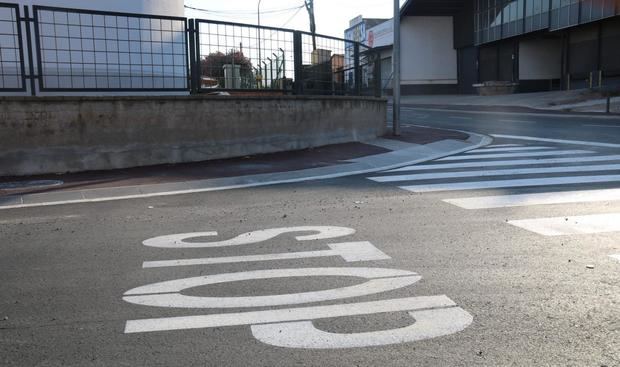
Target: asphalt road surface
504, 256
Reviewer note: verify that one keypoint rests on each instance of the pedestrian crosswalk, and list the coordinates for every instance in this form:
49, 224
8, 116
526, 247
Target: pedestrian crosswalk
466, 157
562, 226
506, 149
519, 162
544, 198
556, 175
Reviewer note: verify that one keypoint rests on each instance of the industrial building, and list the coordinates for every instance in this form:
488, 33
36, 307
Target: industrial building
448, 46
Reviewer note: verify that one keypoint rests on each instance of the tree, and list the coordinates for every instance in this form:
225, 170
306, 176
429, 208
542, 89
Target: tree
212, 66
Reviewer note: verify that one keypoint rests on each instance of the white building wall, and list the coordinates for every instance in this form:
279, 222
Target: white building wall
152, 7
540, 59
427, 51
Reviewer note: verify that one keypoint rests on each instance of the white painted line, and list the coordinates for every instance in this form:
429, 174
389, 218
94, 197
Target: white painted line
561, 226
615, 257
503, 145
609, 126
287, 315
501, 172
560, 141
511, 183
514, 155
544, 198
506, 149
518, 162
168, 293
460, 117
349, 251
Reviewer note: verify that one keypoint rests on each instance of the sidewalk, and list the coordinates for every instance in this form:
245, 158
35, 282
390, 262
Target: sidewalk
417, 145
580, 101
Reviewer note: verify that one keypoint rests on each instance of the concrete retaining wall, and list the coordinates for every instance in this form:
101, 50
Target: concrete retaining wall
59, 134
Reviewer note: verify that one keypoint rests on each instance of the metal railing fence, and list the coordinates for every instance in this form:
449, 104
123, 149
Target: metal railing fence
105, 51
242, 57
12, 68
74, 50
246, 58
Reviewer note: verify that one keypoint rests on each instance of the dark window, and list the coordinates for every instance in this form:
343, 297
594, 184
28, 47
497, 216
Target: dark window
583, 51
610, 52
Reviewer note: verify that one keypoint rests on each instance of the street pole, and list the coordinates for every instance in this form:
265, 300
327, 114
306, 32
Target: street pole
310, 9
258, 38
396, 71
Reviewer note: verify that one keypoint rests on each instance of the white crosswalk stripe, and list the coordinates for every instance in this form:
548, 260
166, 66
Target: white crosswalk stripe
512, 183
503, 145
544, 198
546, 169
517, 162
514, 155
501, 172
561, 226
514, 149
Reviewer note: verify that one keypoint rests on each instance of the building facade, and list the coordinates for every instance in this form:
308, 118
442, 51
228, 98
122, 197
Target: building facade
537, 44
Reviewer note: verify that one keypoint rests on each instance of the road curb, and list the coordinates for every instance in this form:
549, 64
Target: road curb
370, 164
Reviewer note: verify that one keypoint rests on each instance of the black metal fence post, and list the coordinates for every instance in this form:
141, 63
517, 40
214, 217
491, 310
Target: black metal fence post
377, 75
298, 59
193, 59
357, 72
31, 75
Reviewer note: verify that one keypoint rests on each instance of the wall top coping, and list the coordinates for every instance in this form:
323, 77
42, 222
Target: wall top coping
180, 98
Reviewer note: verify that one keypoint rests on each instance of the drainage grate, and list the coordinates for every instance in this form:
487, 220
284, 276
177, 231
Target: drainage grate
29, 184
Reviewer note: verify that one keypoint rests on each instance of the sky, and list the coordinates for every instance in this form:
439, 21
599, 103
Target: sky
332, 16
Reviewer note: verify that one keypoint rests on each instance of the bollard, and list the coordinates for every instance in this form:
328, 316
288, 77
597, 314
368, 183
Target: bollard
608, 108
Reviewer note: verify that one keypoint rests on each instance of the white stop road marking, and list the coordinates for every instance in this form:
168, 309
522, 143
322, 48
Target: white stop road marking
167, 294
432, 316
349, 251
177, 240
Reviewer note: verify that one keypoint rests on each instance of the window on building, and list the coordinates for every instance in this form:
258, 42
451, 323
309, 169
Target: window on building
512, 20
564, 13
592, 10
536, 15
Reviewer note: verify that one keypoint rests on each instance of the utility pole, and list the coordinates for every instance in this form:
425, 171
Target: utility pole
310, 9
396, 66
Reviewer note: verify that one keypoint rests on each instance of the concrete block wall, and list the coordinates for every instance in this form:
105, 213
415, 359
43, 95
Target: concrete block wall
69, 134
